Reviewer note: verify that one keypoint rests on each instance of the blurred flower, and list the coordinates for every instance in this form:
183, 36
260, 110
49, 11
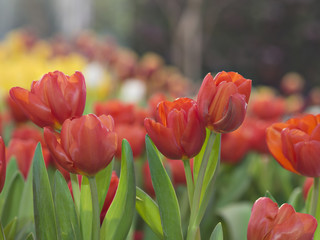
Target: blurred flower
223, 100
178, 132
292, 83
85, 145
3, 166
234, 140
23, 151
269, 222
306, 187
265, 105
53, 99
120, 111
295, 144
26, 132
135, 134
133, 90
110, 195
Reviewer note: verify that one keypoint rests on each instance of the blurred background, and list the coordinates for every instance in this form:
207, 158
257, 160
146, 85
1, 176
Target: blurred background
263, 40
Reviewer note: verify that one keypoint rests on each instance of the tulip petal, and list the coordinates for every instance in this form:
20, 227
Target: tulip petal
163, 138
315, 135
194, 128
55, 97
32, 106
57, 151
273, 138
76, 95
234, 115
308, 161
107, 121
206, 94
261, 222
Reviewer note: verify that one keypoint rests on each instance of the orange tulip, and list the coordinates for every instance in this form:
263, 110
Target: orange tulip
53, 99
223, 100
85, 145
2, 164
178, 132
268, 222
295, 144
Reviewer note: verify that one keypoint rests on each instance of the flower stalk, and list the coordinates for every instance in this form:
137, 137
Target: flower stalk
95, 209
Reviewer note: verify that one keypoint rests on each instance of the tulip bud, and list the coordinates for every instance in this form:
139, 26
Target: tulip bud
223, 100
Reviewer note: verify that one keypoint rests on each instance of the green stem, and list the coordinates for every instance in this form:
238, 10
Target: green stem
75, 192
192, 229
315, 204
315, 195
190, 186
95, 209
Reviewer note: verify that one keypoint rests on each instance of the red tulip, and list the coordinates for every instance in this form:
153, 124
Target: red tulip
110, 195
23, 151
2, 164
223, 100
135, 134
26, 132
295, 144
268, 222
53, 99
178, 132
85, 145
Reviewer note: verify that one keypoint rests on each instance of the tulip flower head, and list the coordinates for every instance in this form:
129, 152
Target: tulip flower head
268, 222
53, 99
222, 101
295, 144
85, 145
2, 164
178, 132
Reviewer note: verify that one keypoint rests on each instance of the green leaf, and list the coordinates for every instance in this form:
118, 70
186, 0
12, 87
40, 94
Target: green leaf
118, 219
165, 194
236, 218
269, 195
12, 168
2, 236
12, 201
149, 211
44, 214
198, 159
67, 220
103, 180
296, 199
85, 209
217, 233
26, 204
30, 237
10, 229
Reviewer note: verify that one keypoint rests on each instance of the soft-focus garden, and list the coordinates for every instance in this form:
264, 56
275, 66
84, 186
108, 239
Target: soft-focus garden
100, 142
